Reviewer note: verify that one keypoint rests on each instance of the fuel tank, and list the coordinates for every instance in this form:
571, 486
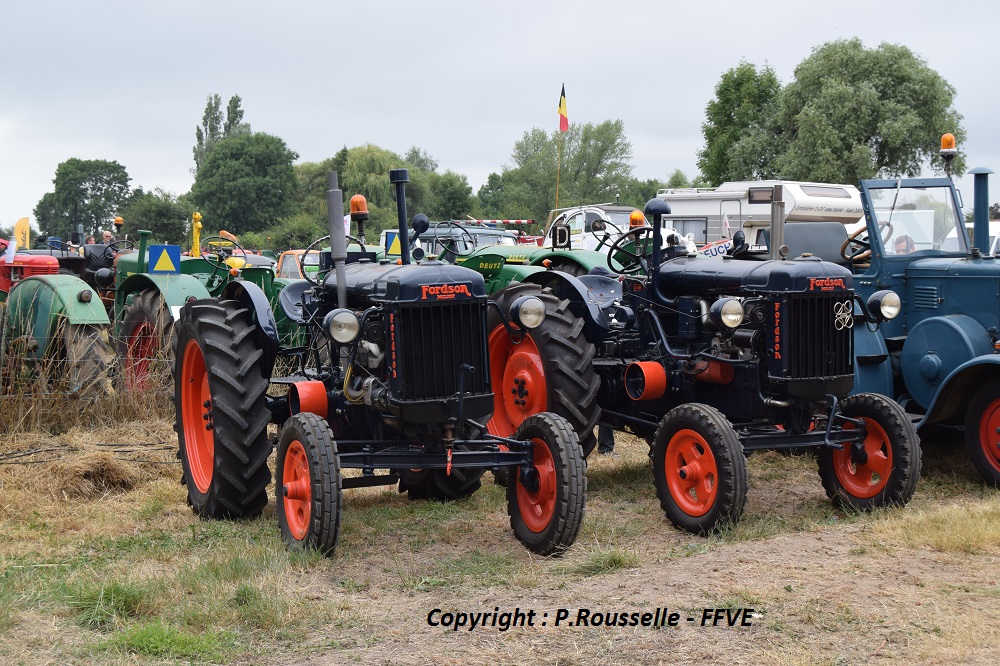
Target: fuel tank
370, 282
697, 276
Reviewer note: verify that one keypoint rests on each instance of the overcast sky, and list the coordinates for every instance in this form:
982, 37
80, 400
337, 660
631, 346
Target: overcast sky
128, 80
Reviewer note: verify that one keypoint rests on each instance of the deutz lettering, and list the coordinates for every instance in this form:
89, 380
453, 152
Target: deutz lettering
443, 291
826, 284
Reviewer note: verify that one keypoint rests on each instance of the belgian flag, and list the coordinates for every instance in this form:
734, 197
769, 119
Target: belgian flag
563, 118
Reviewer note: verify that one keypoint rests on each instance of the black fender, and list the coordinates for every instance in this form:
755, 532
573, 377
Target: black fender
255, 300
582, 303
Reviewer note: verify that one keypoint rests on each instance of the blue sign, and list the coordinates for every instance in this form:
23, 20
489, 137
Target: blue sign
164, 259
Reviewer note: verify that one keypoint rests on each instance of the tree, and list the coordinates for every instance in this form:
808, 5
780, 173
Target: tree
247, 182
213, 129
491, 197
854, 113
158, 212
419, 158
452, 197
87, 192
744, 101
995, 211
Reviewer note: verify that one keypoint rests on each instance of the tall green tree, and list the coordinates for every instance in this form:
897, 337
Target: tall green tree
452, 197
159, 212
744, 103
246, 183
854, 113
87, 192
214, 128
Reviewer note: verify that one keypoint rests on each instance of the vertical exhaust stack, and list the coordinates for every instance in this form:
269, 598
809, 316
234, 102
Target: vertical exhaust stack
656, 209
338, 240
981, 208
777, 233
399, 178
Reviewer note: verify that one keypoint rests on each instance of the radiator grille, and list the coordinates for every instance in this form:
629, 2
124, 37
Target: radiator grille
925, 298
433, 340
814, 346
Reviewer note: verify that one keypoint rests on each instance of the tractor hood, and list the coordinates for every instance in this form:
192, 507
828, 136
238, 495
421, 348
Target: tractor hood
692, 275
428, 281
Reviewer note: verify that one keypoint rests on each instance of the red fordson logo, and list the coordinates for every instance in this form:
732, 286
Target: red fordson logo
826, 284
442, 292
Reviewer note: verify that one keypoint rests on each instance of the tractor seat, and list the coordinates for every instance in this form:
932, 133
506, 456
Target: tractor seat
604, 289
290, 300
96, 259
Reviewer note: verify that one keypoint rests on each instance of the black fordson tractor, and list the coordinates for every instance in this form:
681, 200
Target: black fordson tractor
711, 359
393, 383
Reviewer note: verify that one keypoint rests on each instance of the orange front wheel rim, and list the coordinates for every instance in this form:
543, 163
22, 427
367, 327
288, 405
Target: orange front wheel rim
519, 388
691, 472
296, 490
865, 479
538, 508
989, 433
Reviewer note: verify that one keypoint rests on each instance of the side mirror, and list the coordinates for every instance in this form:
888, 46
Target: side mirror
420, 224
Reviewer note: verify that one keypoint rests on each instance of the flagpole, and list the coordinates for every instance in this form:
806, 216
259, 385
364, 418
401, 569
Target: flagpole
558, 166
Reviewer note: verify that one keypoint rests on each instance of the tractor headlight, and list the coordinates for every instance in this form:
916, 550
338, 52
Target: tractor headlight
342, 325
884, 304
727, 312
527, 312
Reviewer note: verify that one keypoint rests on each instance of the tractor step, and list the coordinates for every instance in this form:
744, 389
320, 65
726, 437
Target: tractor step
369, 481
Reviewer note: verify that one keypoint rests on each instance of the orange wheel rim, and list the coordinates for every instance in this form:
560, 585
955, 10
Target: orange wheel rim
989, 433
538, 508
518, 382
867, 479
142, 346
196, 415
691, 473
296, 490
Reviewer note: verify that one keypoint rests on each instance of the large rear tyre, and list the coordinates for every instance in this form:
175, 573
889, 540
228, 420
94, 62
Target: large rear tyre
699, 469
221, 414
886, 471
982, 432
148, 337
309, 488
88, 358
546, 504
550, 370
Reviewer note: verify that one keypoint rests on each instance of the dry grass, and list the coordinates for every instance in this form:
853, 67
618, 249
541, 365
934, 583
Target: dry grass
102, 561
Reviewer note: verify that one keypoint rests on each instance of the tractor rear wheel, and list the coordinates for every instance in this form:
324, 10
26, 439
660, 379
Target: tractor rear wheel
546, 503
308, 487
886, 471
88, 358
148, 337
221, 413
550, 370
699, 469
982, 432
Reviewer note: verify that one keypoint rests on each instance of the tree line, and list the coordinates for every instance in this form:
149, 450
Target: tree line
849, 113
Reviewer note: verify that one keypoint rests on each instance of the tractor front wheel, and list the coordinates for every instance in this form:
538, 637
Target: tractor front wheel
885, 469
222, 417
88, 357
982, 432
308, 487
546, 501
699, 469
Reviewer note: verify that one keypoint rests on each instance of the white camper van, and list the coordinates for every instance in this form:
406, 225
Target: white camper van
711, 216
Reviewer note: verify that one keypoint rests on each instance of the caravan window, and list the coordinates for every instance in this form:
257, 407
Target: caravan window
825, 191
696, 226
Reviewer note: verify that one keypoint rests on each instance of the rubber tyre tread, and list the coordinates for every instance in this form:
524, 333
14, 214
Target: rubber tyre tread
906, 454
326, 485
89, 358
567, 360
732, 480
571, 486
150, 306
222, 331
980, 401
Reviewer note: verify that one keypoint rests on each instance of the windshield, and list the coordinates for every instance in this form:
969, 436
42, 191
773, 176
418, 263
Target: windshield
619, 218
311, 259
918, 218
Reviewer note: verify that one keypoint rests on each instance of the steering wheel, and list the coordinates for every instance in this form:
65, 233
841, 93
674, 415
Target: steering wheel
633, 259
229, 251
606, 238
450, 244
319, 241
114, 247
862, 249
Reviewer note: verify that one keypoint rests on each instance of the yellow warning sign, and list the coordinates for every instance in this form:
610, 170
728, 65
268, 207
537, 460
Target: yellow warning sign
164, 259
164, 264
394, 246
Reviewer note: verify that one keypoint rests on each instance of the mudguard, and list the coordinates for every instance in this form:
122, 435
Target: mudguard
872, 367
582, 302
935, 348
266, 328
952, 398
176, 289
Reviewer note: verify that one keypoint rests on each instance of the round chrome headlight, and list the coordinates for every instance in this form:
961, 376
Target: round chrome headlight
527, 312
728, 312
343, 325
885, 304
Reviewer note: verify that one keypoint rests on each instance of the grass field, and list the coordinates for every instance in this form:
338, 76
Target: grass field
103, 562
